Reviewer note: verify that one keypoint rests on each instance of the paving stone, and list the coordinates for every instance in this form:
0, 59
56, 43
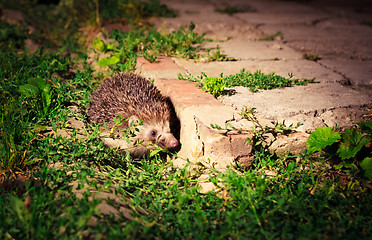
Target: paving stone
317, 40
207, 187
217, 26
295, 144
162, 63
310, 100
256, 50
289, 16
163, 68
185, 94
359, 73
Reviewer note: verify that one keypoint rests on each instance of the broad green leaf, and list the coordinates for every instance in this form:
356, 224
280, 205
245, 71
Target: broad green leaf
321, 138
366, 164
351, 143
29, 90
98, 44
108, 61
46, 96
109, 47
101, 46
38, 82
366, 127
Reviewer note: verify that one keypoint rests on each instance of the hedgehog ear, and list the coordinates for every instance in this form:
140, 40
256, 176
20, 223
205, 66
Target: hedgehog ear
133, 120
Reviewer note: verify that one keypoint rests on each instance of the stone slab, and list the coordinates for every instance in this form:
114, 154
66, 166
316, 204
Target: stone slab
327, 41
185, 94
287, 102
240, 49
217, 26
359, 73
163, 68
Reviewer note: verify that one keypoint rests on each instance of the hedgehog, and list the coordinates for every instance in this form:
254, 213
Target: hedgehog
135, 98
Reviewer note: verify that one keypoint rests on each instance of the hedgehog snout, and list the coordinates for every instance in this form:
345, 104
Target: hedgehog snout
167, 140
173, 143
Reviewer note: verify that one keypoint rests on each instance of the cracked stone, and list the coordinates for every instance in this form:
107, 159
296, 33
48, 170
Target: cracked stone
294, 143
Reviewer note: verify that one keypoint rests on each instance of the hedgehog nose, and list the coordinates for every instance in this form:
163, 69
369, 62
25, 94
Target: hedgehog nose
174, 143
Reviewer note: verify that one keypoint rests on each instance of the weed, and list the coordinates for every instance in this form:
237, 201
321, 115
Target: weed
321, 138
230, 10
311, 57
217, 55
260, 133
366, 23
253, 81
37, 90
277, 35
214, 86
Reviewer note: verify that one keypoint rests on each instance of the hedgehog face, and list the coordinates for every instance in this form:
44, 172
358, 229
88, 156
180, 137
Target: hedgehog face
157, 133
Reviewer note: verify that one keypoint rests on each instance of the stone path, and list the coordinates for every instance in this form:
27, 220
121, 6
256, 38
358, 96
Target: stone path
338, 32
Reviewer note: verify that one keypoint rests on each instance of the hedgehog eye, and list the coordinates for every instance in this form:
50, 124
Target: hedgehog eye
153, 133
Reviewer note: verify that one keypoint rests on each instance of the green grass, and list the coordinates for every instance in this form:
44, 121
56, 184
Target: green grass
35, 92
12, 36
48, 182
254, 81
65, 23
293, 204
298, 201
150, 44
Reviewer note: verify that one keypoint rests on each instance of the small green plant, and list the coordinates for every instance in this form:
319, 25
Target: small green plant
230, 10
260, 133
214, 86
311, 57
366, 23
343, 146
218, 55
259, 80
277, 35
37, 90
